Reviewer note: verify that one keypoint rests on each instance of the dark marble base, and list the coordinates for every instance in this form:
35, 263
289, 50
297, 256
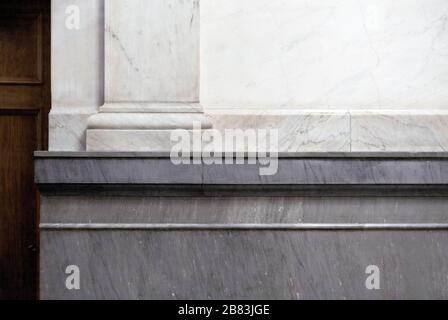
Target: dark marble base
193, 234
245, 264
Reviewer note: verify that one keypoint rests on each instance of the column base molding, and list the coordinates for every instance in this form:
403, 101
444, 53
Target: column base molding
132, 140
142, 126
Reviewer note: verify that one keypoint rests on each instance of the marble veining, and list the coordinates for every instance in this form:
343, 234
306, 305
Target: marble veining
398, 131
153, 56
244, 265
327, 74
299, 171
324, 54
86, 208
297, 131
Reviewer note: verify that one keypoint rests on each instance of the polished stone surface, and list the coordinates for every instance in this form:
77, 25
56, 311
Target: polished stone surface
149, 62
153, 56
145, 121
68, 127
139, 140
115, 171
399, 131
77, 58
376, 85
121, 207
244, 264
298, 131
139, 227
77, 64
344, 54
131, 168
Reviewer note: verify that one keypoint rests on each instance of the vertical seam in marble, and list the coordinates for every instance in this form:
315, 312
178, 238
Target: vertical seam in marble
350, 130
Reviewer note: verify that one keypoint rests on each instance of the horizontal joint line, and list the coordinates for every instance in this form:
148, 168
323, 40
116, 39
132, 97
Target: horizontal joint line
267, 226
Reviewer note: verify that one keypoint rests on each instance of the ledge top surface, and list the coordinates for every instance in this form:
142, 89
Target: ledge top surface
77, 154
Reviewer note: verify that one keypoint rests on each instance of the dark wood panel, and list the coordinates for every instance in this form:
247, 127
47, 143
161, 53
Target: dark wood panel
21, 48
18, 237
25, 54
24, 105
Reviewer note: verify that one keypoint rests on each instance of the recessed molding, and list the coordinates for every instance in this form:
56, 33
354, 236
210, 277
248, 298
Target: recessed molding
36, 17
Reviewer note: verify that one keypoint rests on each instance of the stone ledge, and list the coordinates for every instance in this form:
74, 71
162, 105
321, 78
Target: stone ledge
293, 169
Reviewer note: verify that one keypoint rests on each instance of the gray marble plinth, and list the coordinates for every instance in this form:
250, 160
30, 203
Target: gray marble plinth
139, 227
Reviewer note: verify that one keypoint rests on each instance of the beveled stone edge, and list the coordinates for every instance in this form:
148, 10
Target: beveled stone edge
149, 154
243, 226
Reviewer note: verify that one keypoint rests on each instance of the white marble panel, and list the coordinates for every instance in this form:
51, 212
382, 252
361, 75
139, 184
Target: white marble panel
297, 131
152, 50
399, 131
325, 53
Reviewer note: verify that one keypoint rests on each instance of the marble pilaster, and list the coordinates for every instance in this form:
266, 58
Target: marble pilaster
151, 75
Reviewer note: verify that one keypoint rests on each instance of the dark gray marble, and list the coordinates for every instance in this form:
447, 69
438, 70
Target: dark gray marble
334, 171
363, 155
239, 209
245, 264
114, 171
122, 168
140, 227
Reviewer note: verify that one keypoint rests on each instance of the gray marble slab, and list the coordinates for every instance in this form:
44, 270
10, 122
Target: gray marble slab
114, 171
139, 227
93, 209
135, 168
244, 264
332, 154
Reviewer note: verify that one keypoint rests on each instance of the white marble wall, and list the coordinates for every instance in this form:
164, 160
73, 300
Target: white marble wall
77, 72
343, 54
331, 75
